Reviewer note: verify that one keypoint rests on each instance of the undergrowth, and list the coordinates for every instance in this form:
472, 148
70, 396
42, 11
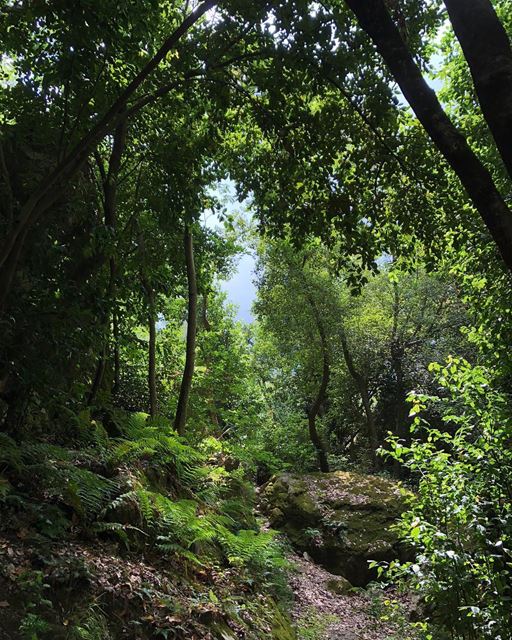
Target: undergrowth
148, 491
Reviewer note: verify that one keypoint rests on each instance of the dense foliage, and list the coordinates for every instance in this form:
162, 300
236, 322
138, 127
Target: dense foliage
460, 522
368, 142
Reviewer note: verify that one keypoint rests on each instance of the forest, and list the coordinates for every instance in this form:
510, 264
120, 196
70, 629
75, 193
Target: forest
337, 466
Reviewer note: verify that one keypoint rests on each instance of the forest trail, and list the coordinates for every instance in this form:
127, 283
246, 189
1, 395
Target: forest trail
320, 613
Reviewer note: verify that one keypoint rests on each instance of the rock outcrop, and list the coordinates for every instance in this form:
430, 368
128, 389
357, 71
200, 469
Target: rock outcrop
342, 520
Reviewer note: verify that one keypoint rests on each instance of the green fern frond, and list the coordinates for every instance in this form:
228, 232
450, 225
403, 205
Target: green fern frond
44, 452
54, 468
172, 548
130, 425
251, 548
163, 449
144, 500
120, 530
5, 487
10, 453
182, 525
87, 492
146, 505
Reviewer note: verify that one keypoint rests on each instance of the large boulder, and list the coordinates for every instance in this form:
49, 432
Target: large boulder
342, 520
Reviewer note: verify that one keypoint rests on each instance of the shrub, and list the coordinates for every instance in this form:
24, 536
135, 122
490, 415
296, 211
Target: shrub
460, 520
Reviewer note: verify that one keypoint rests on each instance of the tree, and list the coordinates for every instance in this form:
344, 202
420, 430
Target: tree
109, 181
375, 19
318, 401
51, 187
188, 371
379, 341
300, 329
486, 47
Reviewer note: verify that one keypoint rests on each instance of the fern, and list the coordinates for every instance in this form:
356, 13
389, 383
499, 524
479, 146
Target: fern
120, 530
10, 453
144, 500
54, 468
176, 549
87, 492
166, 451
91, 625
44, 452
130, 425
146, 505
5, 487
191, 529
257, 550
183, 528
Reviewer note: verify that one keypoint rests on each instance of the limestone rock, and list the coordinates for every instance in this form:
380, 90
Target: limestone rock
340, 586
343, 520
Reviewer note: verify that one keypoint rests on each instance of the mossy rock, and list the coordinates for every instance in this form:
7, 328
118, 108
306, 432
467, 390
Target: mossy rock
340, 586
281, 626
343, 520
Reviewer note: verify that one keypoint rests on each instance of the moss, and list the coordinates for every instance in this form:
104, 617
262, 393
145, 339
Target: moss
352, 515
305, 505
281, 626
340, 586
266, 620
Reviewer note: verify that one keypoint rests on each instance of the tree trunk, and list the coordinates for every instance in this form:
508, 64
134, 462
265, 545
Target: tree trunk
401, 427
316, 405
374, 18
400, 407
152, 354
109, 183
371, 427
51, 187
117, 358
313, 412
487, 49
188, 372
362, 386
16, 401
98, 377
8, 269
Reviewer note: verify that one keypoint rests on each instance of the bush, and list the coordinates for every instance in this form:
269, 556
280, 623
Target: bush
460, 520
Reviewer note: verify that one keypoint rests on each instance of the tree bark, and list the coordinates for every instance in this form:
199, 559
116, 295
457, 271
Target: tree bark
188, 372
313, 412
400, 407
98, 377
50, 188
362, 386
14, 417
487, 49
374, 18
109, 184
117, 357
316, 405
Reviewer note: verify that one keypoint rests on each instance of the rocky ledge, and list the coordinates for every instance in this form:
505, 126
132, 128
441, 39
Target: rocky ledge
342, 520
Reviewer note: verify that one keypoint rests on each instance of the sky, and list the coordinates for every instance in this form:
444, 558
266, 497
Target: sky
239, 288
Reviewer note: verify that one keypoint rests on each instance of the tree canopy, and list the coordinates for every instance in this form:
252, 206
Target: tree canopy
366, 148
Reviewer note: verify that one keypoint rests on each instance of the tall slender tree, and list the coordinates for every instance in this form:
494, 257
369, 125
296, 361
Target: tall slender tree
486, 47
375, 19
188, 372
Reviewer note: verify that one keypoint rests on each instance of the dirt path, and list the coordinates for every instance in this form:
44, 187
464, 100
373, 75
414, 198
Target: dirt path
321, 614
